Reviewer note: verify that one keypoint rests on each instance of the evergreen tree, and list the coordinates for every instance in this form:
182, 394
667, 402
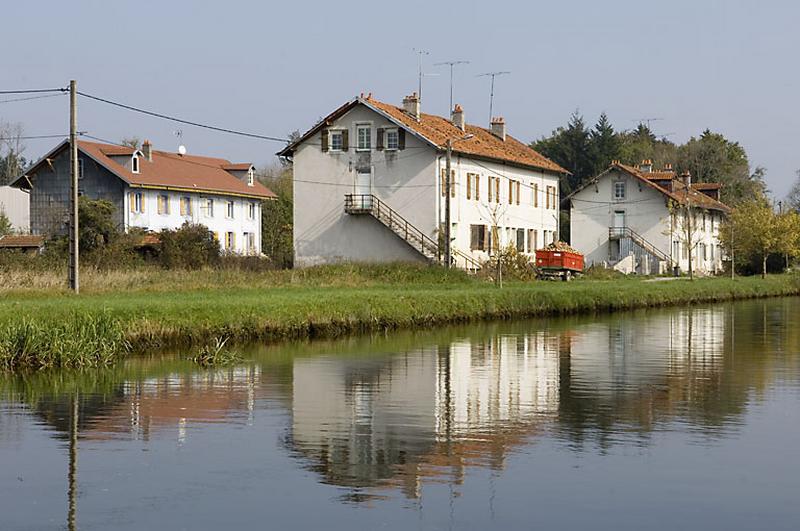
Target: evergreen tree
605, 144
569, 147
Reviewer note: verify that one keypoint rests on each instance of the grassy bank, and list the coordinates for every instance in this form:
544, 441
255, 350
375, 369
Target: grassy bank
326, 302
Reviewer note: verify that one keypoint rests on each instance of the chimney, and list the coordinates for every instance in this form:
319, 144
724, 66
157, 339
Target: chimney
458, 117
668, 166
147, 149
411, 105
646, 166
686, 177
499, 128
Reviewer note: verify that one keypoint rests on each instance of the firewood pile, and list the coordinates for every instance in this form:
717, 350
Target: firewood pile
560, 246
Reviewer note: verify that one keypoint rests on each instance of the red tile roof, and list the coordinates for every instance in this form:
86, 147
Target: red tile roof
679, 191
437, 129
19, 242
171, 170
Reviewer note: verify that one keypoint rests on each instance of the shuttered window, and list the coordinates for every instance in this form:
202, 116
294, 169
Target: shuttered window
535, 190
136, 202
163, 204
443, 183
186, 206
477, 237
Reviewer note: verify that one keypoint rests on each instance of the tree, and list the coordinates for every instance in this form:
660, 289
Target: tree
131, 141
570, 148
642, 143
752, 231
5, 224
277, 216
793, 199
12, 163
605, 144
97, 227
686, 226
788, 227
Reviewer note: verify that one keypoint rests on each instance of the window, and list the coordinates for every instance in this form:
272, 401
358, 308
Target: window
452, 182
210, 208
513, 192
619, 191
251, 177
703, 251
676, 250
535, 188
477, 237
186, 206
251, 211
230, 212
392, 139
250, 242
230, 241
521, 239
336, 140
552, 198
533, 240
80, 168
163, 204
135, 164
473, 186
364, 136
136, 200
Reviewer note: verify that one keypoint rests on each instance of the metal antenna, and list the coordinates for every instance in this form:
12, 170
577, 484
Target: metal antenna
451, 64
491, 92
646, 121
420, 53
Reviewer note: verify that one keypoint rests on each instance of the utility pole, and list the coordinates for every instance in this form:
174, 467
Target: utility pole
491, 92
451, 64
74, 273
447, 186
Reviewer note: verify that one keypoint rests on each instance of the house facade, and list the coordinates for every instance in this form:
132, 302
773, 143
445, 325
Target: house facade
370, 186
151, 190
15, 204
649, 221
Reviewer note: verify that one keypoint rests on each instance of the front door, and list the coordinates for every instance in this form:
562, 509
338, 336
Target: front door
363, 190
619, 219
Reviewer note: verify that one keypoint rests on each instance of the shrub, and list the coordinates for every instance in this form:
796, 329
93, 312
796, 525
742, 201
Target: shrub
514, 265
189, 247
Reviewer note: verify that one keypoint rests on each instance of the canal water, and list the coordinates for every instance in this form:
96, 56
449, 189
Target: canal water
671, 419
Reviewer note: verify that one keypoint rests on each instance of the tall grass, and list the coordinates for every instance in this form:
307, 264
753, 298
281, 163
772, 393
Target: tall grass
83, 340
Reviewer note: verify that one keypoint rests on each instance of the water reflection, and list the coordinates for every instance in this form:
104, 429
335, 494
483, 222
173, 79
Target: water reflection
381, 415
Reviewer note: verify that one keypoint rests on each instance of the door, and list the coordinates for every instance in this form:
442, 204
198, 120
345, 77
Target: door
619, 222
363, 192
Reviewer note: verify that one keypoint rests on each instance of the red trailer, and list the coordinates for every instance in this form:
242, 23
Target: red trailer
558, 263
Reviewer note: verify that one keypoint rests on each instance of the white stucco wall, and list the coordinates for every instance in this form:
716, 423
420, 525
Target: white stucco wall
219, 223
409, 182
647, 213
17, 207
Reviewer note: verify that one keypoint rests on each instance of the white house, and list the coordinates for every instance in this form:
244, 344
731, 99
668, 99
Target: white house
152, 190
653, 220
370, 186
15, 204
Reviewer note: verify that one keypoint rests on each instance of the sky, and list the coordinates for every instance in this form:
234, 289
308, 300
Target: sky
275, 67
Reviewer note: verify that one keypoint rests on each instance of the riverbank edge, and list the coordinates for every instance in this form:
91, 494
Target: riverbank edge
301, 314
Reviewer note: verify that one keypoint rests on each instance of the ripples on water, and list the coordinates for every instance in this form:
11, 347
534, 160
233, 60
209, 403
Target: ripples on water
649, 420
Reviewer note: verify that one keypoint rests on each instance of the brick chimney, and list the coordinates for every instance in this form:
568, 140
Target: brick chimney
147, 150
646, 166
499, 128
411, 105
686, 178
458, 117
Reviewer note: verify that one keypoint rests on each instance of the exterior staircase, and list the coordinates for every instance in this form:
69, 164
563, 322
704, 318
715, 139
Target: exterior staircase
648, 257
368, 204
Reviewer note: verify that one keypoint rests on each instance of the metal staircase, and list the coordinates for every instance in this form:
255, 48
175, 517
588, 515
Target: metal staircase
368, 204
631, 242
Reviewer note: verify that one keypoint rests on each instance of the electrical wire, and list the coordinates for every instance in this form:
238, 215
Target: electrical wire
32, 98
32, 91
34, 137
182, 121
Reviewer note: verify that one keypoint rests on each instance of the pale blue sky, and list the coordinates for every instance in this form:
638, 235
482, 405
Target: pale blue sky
272, 67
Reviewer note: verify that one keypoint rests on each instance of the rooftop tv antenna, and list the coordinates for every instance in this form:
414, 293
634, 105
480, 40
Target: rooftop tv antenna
491, 92
421, 74
451, 64
646, 121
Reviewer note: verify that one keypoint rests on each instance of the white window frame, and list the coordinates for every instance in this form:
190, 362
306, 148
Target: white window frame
251, 177
210, 207
138, 202
620, 185
166, 204
251, 211
340, 134
359, 128
230, 210
396, 133
135, 163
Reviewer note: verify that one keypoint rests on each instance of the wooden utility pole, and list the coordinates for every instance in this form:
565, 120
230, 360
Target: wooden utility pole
447, 189
74, 273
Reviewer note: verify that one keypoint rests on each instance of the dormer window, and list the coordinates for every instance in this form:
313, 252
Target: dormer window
135, 163
251, 177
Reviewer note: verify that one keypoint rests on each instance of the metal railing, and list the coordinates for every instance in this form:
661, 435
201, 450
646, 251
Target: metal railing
615, 233
369, 204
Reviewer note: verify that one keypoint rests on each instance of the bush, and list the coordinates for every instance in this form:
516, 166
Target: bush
189, 247
514, 265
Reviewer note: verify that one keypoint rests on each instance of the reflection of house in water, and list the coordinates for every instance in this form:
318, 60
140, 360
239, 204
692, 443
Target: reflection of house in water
367, 422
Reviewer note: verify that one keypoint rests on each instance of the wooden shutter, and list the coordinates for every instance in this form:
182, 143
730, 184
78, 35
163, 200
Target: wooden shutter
518, 188
490, 183
477, 187
401, 138
324, 140
510, 191
444, 182
536, 195
547, 198
452, 183
379, 140
142, 210
131, 204
469, 186
345, 140
497, 189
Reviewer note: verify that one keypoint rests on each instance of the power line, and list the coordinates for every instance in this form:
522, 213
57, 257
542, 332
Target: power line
32, 91
33, 137
182, 121
31, 98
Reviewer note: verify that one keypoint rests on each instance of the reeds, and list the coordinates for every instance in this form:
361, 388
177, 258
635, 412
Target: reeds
216, 354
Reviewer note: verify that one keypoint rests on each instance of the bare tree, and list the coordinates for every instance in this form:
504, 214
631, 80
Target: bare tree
686, 226
495, 212
793, 199
12, 163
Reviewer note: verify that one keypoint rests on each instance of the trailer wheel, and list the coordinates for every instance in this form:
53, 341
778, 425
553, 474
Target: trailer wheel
567, 276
